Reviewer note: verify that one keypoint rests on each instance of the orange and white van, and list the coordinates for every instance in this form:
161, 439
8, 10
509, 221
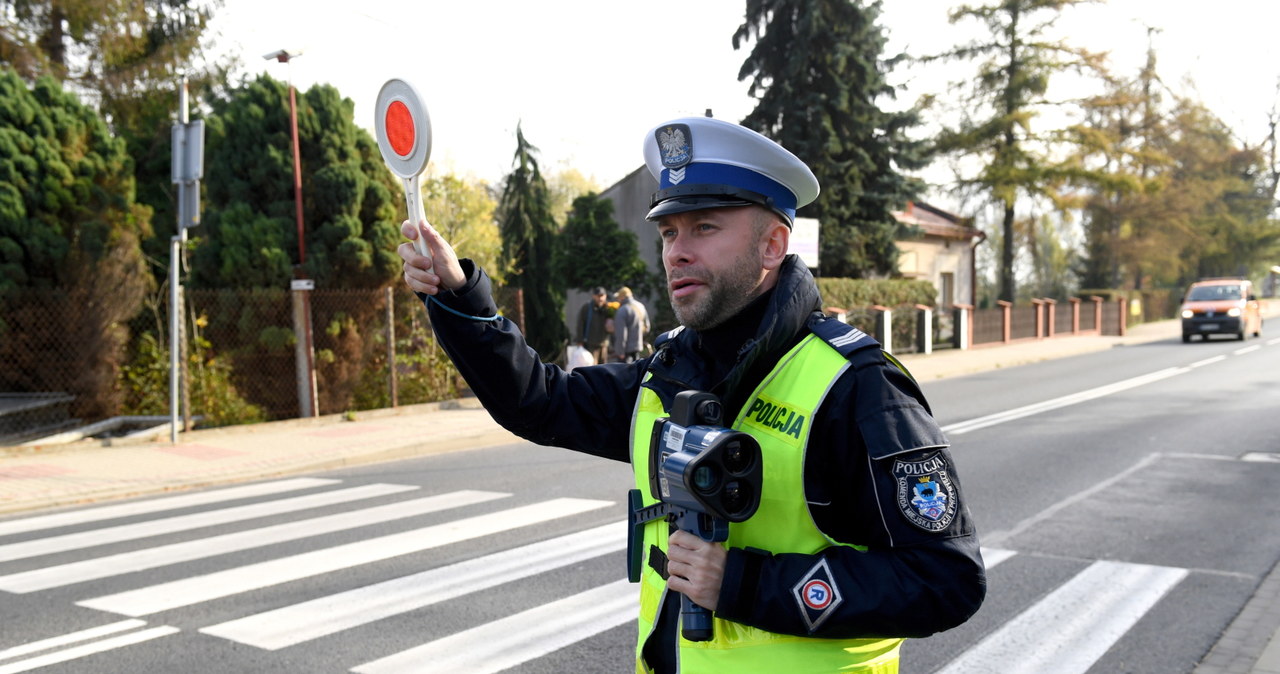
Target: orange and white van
1221, 306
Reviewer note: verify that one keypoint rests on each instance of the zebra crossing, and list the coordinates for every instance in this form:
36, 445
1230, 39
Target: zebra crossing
1072, 624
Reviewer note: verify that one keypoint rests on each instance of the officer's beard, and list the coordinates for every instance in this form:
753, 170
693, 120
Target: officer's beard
725, 293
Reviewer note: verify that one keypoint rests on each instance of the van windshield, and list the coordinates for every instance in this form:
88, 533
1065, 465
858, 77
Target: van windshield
1210, 293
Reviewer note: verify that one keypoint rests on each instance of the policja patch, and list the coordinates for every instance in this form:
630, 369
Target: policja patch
925, 494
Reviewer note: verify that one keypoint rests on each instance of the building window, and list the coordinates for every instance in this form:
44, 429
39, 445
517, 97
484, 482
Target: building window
948, 289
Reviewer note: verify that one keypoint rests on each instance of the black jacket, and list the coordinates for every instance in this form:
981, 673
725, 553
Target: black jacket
917, 576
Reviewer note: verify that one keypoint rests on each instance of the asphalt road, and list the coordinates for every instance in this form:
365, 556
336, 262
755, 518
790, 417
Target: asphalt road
1123, 499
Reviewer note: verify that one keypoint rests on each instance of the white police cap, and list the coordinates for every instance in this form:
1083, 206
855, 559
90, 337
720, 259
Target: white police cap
702, 162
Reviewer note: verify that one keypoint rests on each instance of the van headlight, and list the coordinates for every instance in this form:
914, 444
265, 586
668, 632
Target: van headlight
1234, 312
1187, 313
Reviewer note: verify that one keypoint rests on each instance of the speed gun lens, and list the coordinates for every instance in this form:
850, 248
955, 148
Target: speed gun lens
706, 478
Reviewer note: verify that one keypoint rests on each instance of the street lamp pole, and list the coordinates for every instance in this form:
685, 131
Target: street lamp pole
301, 286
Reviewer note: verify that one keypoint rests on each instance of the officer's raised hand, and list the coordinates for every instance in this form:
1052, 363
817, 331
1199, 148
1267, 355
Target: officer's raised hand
429, 274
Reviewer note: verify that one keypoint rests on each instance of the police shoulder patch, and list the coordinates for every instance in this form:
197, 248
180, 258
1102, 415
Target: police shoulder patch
925, 495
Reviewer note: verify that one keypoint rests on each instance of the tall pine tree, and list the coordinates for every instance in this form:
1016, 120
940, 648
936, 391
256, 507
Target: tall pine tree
817, 71
529, 243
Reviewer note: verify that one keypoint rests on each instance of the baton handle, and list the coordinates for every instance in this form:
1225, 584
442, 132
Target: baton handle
417, 215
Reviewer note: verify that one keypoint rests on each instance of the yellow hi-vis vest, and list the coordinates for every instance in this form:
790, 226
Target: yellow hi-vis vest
779, 415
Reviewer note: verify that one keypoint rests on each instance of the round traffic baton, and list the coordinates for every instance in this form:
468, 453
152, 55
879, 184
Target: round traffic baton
404, 137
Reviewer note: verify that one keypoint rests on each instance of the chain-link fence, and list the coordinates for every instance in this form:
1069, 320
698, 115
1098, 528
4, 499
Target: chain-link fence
372, 349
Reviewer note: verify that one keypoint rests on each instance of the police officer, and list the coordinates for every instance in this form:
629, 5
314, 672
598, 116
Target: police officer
862, 538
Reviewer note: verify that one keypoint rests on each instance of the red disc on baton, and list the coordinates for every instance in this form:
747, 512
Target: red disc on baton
403, 128
400, 128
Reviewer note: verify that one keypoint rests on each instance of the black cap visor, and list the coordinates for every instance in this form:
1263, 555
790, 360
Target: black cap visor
682, 199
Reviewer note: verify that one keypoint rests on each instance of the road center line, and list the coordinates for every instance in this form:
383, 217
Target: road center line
1064, 401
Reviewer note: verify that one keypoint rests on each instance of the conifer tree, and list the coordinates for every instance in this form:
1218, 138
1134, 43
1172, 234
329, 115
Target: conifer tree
817, 71
529, 244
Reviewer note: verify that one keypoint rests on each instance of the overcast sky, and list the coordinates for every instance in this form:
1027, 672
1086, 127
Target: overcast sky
588, 79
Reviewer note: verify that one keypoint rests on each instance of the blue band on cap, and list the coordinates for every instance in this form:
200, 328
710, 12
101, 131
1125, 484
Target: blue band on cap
724, 174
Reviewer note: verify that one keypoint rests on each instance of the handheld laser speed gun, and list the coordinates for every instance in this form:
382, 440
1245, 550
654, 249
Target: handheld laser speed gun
705, 476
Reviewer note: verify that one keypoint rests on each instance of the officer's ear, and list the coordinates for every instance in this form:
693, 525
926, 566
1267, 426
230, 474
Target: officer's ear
774, 242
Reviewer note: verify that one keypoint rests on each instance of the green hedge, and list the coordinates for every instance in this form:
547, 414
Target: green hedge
848, 293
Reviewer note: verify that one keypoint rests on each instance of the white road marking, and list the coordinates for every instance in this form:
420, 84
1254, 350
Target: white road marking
1247, 349
500, 645
158, 505
87, 649
69, 638
208, 518
991, 557
295, 624
1208, 361
998, 537
196, 589
1068, 630
1074, 398
150, 558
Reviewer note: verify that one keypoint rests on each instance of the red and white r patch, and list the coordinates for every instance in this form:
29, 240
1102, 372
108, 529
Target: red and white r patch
817, 595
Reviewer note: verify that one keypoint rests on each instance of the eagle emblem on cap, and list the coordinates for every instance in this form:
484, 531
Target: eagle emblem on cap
676, 143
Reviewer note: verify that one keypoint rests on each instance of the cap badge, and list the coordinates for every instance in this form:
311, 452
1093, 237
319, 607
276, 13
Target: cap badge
676, 143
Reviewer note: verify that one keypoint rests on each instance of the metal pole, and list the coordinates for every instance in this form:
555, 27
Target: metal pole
391, 346
308, 405
297, 174
175, 244
175, 257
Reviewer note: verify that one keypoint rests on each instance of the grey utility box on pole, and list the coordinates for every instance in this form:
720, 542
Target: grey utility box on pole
188, 170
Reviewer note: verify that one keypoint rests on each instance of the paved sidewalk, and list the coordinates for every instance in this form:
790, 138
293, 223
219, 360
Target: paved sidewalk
33, 478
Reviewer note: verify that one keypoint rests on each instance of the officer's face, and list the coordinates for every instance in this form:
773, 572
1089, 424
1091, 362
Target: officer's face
717, 261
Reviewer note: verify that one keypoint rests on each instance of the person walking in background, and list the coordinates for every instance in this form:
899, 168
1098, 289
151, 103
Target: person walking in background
630, 325
589, 331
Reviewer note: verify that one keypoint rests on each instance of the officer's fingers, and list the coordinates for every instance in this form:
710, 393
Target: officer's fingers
701, 587
444, 257
416, 273
408, 230
687, 541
